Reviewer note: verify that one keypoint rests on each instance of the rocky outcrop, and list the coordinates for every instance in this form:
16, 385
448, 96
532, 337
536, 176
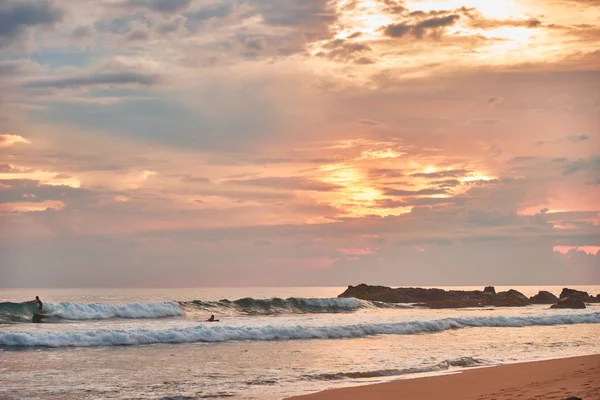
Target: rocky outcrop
489, 289
569, 303
438, 298
511, 298
543, 297
574, 294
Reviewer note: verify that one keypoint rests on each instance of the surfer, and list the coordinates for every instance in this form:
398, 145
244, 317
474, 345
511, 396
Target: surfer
39, 303
212, 319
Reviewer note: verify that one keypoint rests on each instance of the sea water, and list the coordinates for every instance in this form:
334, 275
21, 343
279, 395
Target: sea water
269, 343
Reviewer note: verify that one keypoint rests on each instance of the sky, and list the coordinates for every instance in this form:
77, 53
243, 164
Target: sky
185, 143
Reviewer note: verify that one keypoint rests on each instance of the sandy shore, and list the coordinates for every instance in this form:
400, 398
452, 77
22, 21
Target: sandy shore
548, 380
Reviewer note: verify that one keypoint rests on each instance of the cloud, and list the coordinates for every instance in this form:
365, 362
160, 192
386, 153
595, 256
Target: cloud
219, 10
397, 192
590, 164
95, 79
447, 183
137, 35
310, 15
419, 29
577, 138
442, 174
30, 191
161, 6
17, 16
291, 183
342, 50
9, 140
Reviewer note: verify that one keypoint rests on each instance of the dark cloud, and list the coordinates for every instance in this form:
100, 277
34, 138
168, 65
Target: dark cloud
577, 138
25, 190
483, 23
447, 183
433, 23
419, 29
398, 30
16, 16
422, 192
419, 201
171, 26
82, 32
342, 50
367, 122
161, 6
100, 78
442, 174
220, 10
312, 15
590, 164
292, 183
573, 139
137, 35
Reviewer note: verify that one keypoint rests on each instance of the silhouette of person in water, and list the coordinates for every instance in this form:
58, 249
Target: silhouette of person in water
39, 303
211, 319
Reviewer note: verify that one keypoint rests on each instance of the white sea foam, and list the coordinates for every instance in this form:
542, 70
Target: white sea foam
224, 333
78, 311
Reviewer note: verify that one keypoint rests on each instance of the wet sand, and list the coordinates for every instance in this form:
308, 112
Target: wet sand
549, 380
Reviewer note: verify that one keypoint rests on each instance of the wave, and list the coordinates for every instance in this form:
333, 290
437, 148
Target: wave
80, 311
292, 305
22, 312
224, 333
19, 312
442, 366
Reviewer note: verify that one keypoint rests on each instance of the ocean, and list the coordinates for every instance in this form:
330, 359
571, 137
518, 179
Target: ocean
269, 343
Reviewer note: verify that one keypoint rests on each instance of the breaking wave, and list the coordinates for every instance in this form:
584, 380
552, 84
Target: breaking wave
22, 312
224, 333
444, 365
79, 311
292, 305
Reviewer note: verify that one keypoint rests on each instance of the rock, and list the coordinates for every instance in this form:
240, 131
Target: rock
437, 298
543, 297
573, 398
569, 303
511, 298
489, 289
373, 293
574, 294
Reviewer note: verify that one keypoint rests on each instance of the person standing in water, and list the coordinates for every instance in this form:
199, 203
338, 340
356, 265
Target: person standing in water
39, 303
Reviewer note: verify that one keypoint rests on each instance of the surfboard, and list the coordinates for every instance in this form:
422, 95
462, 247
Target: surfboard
37, 317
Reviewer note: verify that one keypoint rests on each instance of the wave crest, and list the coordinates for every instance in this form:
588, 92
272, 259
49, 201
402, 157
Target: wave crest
224, 333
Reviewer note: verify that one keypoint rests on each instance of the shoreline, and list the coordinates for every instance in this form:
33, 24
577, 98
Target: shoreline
556, 379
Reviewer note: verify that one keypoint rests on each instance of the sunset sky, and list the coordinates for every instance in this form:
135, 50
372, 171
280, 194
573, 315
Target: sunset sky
299, 142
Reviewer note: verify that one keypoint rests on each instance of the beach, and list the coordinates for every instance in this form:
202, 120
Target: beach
548, 380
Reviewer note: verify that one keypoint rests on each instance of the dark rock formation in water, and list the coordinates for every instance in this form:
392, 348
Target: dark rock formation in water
569, 302
577, 294
543, 297
438, 298
489, 289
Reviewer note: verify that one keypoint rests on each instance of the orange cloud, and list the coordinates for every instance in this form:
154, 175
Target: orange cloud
10, 140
